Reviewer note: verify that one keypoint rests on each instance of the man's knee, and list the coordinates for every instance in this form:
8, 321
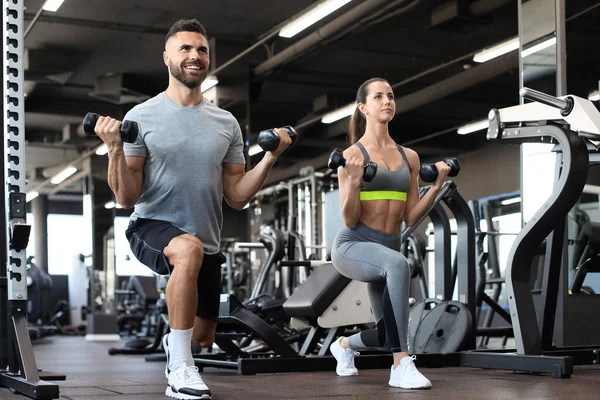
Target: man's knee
185, 251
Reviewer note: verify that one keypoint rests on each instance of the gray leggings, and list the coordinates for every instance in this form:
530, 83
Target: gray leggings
367, 255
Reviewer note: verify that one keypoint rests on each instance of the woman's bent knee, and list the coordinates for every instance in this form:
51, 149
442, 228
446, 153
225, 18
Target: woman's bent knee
398, 265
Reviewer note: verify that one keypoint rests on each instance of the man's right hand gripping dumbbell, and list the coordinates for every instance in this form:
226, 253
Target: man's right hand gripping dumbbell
110, 129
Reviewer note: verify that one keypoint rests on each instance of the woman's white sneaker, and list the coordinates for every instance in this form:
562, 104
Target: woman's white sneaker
406, 375
345, 359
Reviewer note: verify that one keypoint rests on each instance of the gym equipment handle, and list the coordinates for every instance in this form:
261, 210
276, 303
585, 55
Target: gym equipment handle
544, 98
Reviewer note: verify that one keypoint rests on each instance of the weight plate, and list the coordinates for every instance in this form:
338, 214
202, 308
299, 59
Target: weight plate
443, 330
417, 312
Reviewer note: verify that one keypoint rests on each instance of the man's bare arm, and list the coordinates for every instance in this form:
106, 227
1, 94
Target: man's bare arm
239, 186
125, 176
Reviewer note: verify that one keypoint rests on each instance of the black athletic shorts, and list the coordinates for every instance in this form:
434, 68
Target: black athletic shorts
148, 238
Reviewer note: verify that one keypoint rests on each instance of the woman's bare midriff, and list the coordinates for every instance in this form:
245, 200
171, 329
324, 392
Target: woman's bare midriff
383, 215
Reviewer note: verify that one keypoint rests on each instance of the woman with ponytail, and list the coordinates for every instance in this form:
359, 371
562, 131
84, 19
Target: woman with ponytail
367, 248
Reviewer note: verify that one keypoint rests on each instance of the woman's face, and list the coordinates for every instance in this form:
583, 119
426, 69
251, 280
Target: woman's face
380, 105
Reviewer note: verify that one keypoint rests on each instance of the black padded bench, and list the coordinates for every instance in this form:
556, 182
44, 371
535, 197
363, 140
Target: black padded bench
311, 299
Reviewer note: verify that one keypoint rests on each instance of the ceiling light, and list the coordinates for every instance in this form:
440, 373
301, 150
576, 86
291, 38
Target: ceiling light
30, 196
209, 82
594, 96
254, 149
338, 114
310, 17
538, 47
62, 175
497, 50
473, 127
102, 150
52, 5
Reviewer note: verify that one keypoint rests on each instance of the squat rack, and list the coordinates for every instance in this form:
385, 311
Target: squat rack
18, 368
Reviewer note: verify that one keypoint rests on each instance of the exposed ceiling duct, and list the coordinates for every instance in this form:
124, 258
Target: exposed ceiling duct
329, 29
482, 7
459, 12
478, 8
458, 82
120, 89
48, 65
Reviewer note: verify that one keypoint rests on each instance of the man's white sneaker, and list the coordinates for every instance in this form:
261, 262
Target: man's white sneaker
186, 383
406, 375
345, 359
165, 346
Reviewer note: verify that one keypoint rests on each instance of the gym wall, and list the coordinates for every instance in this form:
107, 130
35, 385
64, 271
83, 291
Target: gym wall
491, 170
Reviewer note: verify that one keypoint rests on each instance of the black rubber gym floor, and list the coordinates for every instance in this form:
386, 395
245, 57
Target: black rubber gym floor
93, 374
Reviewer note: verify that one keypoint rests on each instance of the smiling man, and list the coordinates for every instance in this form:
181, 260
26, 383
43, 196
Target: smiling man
188, 156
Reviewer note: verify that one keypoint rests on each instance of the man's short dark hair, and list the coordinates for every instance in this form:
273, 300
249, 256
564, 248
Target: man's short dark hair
186, 25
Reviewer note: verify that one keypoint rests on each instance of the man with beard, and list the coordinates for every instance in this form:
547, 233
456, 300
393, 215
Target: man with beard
187, 157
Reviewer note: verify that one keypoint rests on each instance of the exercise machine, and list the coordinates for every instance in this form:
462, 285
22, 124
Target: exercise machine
570, 123
586, 256
158, 315
485, 330
261, 317
331, 305
19, 369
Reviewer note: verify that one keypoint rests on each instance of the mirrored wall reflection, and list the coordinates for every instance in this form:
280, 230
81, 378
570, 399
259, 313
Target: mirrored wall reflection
538, 45
571, 68
539, 65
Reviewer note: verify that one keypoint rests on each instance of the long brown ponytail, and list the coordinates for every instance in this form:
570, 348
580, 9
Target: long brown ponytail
358, 122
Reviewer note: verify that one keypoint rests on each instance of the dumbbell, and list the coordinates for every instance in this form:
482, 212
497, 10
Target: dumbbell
429, 172
336, 160
129, 129
269, 141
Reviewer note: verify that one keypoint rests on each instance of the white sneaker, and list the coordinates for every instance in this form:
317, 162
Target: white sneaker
406, 375
345, 359
186, 383
165, 346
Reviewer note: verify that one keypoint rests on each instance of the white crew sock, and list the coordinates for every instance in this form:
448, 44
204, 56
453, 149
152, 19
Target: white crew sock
180, 348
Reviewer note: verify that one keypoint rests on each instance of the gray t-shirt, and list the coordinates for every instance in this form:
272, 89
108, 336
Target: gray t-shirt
185, 148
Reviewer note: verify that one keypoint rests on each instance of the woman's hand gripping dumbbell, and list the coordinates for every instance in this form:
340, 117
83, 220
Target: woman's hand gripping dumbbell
336, 160
429, 171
